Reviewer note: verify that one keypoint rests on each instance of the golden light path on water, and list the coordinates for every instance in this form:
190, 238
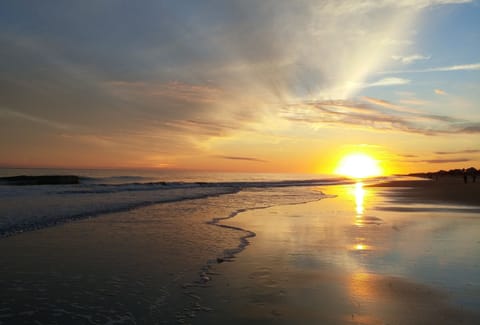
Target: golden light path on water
359, 194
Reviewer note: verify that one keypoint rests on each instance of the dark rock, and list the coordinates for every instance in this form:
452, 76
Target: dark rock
40, 180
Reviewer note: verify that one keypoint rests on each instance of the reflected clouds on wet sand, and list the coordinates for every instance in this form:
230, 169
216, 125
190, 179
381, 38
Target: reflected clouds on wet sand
361, 263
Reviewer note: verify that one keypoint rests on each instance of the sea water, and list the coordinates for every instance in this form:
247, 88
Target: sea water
140, 242
25, 208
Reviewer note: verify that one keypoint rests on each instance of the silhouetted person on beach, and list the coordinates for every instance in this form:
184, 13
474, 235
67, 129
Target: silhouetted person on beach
464, 176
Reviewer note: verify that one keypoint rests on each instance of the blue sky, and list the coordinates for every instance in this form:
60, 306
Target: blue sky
193, 84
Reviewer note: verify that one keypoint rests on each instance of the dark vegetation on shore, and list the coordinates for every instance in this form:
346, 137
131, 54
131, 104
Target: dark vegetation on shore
40, 180
451, 172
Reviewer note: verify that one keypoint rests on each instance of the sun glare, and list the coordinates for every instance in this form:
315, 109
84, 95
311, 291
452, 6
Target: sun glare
358, 165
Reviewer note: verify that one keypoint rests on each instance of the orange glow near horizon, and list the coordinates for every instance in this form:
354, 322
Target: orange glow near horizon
358, 165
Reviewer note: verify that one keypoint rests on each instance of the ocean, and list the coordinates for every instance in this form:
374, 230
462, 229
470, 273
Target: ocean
140, 240
24, 208
171, 247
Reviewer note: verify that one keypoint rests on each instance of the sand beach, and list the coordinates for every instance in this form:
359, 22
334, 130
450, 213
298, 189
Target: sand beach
402, 252
358, 258
442, 189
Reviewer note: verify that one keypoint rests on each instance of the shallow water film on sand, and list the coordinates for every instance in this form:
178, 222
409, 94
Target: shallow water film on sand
243, 251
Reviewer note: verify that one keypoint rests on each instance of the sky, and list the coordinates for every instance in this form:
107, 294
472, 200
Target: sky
240, 85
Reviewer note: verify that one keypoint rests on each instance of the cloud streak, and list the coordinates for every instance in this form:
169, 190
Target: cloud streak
460, 67
241, 158
440, 92
444, 161
36, 119
392, 81
474, 151
410, 58
376, 114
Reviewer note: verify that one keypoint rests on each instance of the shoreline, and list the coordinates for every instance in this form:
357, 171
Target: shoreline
363, 264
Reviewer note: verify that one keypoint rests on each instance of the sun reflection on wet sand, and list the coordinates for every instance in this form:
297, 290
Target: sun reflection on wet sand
364, 231
341, 261
360, 286
359, 197
359, 194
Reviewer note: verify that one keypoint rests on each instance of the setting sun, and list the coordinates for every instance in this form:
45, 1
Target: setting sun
358, 165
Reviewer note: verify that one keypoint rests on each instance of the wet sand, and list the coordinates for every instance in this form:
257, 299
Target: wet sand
121, 268
357, 258
134, 267
443, 189
352, 260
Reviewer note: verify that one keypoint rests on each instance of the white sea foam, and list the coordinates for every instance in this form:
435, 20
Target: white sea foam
36, 206
31, 207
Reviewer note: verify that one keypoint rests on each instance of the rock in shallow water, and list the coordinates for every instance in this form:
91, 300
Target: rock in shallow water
40, 180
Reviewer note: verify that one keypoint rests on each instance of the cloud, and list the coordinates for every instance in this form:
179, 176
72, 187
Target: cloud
442, 161
408, 156
391, 81
457, 152
241, 158
210, 128
90, 139
390, 105
440, 92
434, 161
411, 58
171, 90
375, 114
345, 6
460, 67
166, 76
470, 128
413, 101
385, 82
35, 119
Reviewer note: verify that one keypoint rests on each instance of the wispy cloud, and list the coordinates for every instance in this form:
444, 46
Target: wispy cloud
457, 152
408, 156
215, 128
460, 67
442, 161
384, 82
471, 128
440, 92
98, 140
391, 81
241, 158
173, 89
33, 118
345, 6
180, 75
413, 101
375, 114
410, 58
390, 105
